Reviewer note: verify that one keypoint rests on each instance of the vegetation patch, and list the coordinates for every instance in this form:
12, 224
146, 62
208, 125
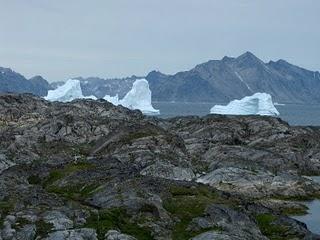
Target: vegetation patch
43, 228
34, 179
20, 222
117, 219
187, 203
298, 198
57, 174
131, 137
77, 192
5, 208
269, 228
59, 147
295, 211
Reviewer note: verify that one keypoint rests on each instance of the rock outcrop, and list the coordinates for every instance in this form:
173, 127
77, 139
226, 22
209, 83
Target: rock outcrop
91, 170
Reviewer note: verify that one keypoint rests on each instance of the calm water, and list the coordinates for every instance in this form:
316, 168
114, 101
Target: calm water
312, 219
295, 114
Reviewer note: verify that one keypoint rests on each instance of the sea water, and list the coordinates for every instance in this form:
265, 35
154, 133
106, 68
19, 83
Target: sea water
294, 114
312, 219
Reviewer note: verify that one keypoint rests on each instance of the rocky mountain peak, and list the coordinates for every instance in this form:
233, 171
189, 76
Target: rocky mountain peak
248, 58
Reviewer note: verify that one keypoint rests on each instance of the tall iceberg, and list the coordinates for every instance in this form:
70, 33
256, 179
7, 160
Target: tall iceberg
257, 104
114, 100
139, 97
67, 92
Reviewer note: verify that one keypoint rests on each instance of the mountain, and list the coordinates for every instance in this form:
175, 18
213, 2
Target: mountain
218, 81
101, 87
234, 78
41, 85
11, 81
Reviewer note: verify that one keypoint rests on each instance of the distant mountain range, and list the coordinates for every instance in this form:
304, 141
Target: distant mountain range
11, 81
214, 81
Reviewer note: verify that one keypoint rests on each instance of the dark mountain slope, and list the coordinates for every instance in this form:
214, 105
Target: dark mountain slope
11, 81
230, 78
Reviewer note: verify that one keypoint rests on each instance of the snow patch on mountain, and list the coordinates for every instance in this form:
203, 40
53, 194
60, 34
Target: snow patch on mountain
257, 104
241, 79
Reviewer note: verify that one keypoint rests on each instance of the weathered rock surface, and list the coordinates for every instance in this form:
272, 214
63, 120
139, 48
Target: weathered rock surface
115, 235
257, 184
76, 234
90, 170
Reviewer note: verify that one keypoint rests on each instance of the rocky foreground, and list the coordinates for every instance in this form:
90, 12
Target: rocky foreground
90, 170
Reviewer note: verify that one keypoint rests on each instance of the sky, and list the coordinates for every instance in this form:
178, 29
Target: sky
60, 39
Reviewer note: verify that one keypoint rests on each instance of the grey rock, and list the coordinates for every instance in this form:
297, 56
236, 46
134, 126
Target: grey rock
168, 171
8, 232
76, 234
234, 224
257, 183
59, 220
115, 235
214, 236
80, 162
5, 163
27, 232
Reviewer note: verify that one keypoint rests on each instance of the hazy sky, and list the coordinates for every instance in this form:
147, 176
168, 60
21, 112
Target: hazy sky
59, 39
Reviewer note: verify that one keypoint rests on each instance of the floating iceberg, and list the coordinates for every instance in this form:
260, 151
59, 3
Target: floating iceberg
67, 92
114, 100
139, 97
257, 104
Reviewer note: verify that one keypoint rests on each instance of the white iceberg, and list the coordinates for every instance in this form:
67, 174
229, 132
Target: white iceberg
67, 92
139, 97
114, 100
257, 104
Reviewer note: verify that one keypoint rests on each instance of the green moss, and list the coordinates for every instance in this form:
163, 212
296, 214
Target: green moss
75, 192
34, 179
59, 147
128, 139
295, 211
118, 219
298, 198
20, 222
269, 228
5, 208
186, 204
43, 228
57, 174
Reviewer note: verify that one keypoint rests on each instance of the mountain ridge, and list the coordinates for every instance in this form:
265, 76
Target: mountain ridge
233, 78
218, 81
11, 81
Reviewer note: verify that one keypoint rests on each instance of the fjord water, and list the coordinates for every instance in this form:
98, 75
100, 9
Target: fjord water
312, 219
294, 114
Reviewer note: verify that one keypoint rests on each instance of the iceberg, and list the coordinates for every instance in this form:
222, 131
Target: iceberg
139, 97
114, 100
67, 92
257, 104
